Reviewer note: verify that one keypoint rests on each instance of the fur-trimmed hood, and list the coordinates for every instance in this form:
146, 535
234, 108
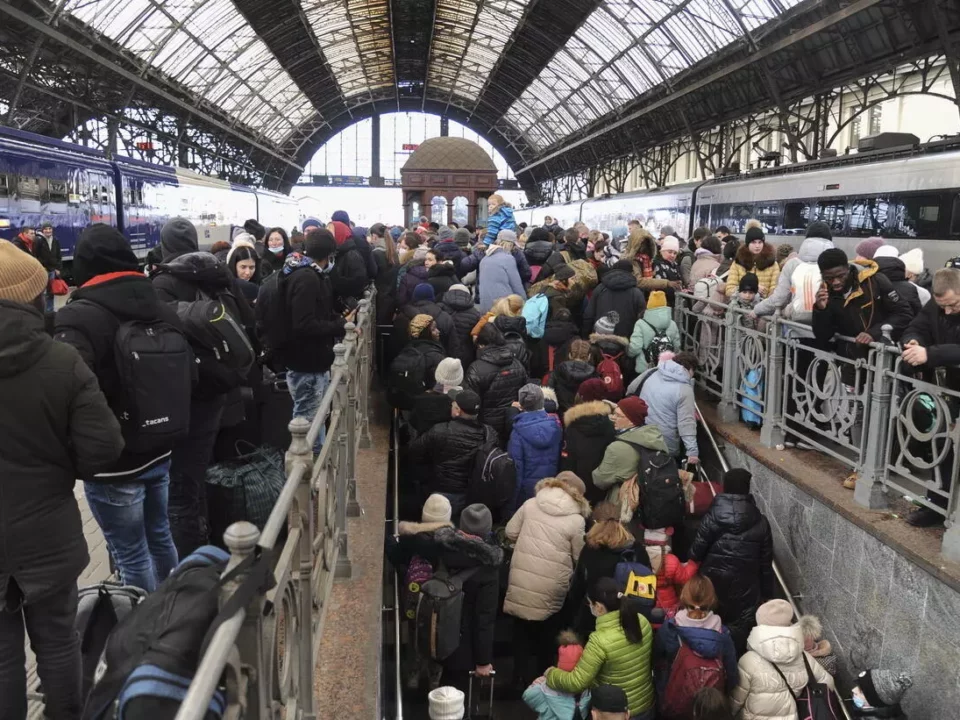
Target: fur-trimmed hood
555, 497
747, 260
597, 338
468, 546
586, 409
413, 528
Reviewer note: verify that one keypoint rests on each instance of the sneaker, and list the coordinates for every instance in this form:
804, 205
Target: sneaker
850, 482
925, 517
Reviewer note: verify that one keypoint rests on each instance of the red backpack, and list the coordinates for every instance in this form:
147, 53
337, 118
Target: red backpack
688, 674
612, 376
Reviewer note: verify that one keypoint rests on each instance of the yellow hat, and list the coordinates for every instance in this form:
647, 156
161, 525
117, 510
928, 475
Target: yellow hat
657, 298
22, 278
419, 323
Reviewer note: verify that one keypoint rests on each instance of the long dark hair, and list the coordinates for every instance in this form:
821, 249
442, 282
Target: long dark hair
245, 253
606, 592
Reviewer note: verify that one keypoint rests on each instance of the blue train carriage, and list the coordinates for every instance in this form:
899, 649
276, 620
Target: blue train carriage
46, 180
149, 195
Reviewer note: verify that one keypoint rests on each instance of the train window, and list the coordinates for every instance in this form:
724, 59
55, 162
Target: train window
28, 188
5, 183
917, 216
868, 217
796, 217
770, 214
57, 190
954, 217
834, 213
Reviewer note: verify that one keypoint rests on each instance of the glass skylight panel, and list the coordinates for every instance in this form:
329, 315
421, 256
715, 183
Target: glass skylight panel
207, 46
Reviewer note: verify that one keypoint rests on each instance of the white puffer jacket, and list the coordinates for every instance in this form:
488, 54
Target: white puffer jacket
761, 692
548, 532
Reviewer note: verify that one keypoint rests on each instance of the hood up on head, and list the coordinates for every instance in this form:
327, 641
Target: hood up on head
776, 644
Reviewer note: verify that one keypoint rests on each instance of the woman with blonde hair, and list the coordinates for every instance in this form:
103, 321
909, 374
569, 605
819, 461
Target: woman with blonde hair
641, 251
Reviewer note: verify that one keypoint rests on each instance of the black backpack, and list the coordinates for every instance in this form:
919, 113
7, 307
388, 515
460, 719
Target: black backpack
439, 611
224, 352
407, 377
659, 344
662, 503
494, 479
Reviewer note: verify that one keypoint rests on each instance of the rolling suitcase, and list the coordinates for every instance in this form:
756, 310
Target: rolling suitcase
474, 713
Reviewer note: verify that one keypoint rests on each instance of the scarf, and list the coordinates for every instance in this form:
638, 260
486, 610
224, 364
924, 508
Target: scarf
711, 622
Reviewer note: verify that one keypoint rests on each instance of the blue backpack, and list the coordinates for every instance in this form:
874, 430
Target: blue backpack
751, 392
535, 311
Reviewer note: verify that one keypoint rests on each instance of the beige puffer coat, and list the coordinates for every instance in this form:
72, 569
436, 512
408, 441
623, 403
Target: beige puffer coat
548, 532
761, 692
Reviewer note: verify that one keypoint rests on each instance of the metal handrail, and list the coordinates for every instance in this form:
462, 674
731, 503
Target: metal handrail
398, 678
776, 569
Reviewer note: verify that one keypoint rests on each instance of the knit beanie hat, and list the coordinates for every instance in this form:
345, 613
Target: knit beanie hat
419, 323
778, 613
462, 237
341, 216
736, 481
22, 277
754, 233
423, 291
446, 703
749, 283
449, 372
657, 299
446, 233
592, 389
667, 230
784, 250
573, 480
530, 397
569, 652
310, 222
460, 287
819, 229
436, 509
730, 248
913, 261
883, 688
670, 243
868, 248
102, 249
834, 257
607, 324
507, 236
476, 520
634, 408
886, 251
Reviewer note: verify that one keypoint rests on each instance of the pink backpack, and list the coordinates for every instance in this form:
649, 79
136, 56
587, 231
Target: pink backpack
418, 572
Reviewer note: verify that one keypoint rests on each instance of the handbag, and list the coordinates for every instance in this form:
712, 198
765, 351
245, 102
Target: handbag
245, 488
815, 701
59, 287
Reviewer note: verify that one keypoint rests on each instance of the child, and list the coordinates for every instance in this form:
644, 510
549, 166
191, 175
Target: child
671, 574
815, 644
654, 332
556, 704
878, 694
747, 297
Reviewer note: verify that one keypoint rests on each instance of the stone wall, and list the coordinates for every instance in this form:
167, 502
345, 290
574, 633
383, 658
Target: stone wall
878, 609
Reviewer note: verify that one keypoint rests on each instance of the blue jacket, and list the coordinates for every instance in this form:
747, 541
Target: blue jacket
705, 643
671, 407
502, 219
497, 278
554, 704
535, 448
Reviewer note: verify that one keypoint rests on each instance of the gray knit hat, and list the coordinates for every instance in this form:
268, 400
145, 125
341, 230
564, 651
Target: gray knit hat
446, 233
883, 688
476, 520
607, 324
530, 397
462, 237
449, 373
507, 236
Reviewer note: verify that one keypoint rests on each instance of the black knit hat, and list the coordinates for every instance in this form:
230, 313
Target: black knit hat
883, 688
102, 249
749, 283
819, 229
754, 233
832, 258
737, 481
178, 237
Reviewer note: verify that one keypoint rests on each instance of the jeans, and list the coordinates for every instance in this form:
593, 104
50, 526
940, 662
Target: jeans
133, 517
188, 476
48, 293
307, 391
50, 624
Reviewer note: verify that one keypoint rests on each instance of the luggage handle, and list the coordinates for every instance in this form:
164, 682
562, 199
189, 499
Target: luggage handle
473, 674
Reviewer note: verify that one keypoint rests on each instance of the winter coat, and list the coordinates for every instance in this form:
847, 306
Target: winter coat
621, 459
459, 305
89, 322
552, 704
413, 540
448, 331
441, 276
617, 291
496, 376
704, 266
610, 659
896, 273
349, 274
498, 277
514, 330
589, 430
672, 407
408, 277
548, 534
386, 284
666, 270
502, 219
614, 347
449, 450
595, 562
734, 547
459, 551
672, 575
535, 448
939, 334
56, 426
685, 260
703, 641
764, 266
430, 408
761, 692
654, 321
47, 252
557, 335
449, 251
872, 304
782, 294
566, 379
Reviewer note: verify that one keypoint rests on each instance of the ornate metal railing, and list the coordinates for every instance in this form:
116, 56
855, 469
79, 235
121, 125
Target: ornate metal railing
264, 657
862, 406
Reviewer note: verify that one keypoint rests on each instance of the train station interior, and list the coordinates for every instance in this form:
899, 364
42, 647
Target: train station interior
277, 447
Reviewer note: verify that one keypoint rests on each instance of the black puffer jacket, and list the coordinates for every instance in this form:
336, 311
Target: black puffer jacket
459, 305
448, 331
566, 379
449, 250
896, 273
56, 426
589, 430
514, 330
386, 282
446, 452
557, 335
496, 376
734, 547
617, 292
433, 353
939, 333
440, 277
349, 274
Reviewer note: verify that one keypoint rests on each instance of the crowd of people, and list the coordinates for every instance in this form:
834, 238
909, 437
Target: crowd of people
549, 467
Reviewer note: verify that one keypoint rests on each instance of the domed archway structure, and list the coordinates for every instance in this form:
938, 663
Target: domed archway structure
448, 167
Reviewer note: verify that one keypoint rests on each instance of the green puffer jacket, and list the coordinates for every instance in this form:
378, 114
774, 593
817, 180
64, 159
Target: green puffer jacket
610, 659
654, 321
620, 459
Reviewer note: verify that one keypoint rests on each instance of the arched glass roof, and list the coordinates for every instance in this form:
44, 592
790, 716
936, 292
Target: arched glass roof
624, 48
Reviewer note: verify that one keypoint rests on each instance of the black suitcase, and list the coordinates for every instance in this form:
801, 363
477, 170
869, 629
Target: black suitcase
475, 713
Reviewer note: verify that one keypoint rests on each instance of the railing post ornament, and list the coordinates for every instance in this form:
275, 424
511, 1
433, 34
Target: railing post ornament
771, 433
728, 394
869, 489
